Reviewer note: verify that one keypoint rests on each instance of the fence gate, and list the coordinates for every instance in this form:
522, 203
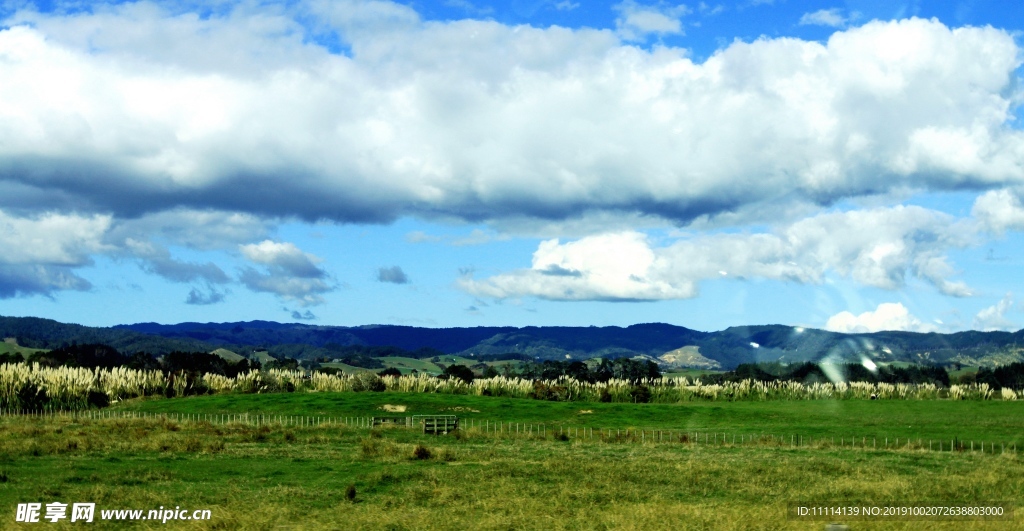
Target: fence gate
437, 424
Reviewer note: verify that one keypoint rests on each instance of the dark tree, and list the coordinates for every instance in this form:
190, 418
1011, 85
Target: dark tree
459, 371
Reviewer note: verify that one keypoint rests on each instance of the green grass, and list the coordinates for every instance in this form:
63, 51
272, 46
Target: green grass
228, 355
263, 356
456, 360
406, 365
349, 369
991, 421
274, 477
10, 346
690, 373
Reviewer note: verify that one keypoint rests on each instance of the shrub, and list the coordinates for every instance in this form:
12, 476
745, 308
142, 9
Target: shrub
421, 452
459, 371
368, 382
640, 394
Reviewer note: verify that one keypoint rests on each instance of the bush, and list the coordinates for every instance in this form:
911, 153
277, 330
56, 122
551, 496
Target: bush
459, 371
421, 452
368, 381
640, 394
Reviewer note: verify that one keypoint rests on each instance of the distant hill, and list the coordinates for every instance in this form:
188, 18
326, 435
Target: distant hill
48, 334
656, 341
671, 346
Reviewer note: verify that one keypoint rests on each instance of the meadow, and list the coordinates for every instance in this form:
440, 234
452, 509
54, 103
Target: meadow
284, 476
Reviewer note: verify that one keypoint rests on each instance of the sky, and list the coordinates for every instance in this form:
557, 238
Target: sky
852, 166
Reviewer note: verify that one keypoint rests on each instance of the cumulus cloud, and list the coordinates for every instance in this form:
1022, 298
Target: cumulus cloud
888, 316
824, 17
290, 273
41, 252
617, 267
54, 239
637, 21
134, 109
284, 256
155, 124
393, 275
878, 248
994, 317
999, 211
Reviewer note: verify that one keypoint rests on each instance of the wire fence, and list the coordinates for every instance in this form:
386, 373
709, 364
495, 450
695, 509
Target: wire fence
550, 431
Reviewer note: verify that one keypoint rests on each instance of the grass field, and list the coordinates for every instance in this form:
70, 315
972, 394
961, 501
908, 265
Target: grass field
10, 346
690, 373
277, 477
423, 366
228, 355
406, 365
349, 369
991, 421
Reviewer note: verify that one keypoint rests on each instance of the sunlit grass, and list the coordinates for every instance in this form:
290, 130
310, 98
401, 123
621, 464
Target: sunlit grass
296, 478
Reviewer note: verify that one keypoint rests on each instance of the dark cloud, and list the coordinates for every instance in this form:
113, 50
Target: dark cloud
178, 271
307, 316
200, 298
554, 270
393, 274
25, 280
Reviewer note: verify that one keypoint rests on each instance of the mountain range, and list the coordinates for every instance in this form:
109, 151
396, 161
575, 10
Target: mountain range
670, 345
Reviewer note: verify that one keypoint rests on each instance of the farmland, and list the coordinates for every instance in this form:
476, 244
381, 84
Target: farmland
280, 475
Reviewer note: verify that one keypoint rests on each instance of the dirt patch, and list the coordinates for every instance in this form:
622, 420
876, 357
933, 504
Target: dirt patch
391, 408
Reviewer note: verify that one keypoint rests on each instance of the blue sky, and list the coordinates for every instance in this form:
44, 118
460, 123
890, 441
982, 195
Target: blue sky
854, 166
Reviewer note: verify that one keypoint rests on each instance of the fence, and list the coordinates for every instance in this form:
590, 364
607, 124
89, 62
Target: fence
513, 430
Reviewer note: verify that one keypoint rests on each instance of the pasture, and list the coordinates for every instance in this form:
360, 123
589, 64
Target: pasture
280, 476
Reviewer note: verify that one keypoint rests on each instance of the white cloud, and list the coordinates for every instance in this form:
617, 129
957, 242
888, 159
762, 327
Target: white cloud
999, 211
53, 239
134, 110
41, 252
604, 267
149, 122
994, 317
636, 21
888, 316
824, 17
284, 256
878, 248
291, 274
